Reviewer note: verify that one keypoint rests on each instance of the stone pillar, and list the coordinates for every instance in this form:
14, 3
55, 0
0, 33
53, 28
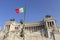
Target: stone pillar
47, 30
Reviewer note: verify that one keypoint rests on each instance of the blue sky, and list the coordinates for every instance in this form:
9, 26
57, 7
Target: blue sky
35, 10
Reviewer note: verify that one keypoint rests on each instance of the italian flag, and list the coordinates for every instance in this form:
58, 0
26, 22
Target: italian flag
20, 10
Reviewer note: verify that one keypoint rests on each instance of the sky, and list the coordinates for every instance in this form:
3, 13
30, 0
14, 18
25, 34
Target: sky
35, 10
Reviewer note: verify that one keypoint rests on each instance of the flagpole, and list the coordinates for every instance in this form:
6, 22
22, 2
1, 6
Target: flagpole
24, 21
